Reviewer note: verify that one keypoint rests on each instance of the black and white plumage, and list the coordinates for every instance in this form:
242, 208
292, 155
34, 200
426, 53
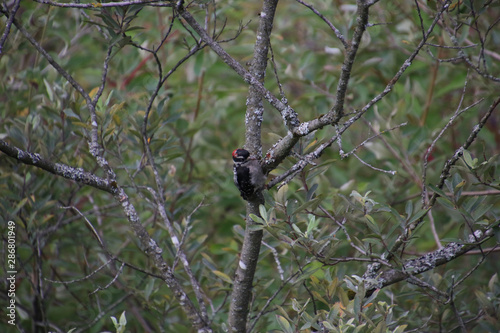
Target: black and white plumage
248, 175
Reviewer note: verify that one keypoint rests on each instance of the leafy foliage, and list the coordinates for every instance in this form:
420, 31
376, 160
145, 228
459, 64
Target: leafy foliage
80, 266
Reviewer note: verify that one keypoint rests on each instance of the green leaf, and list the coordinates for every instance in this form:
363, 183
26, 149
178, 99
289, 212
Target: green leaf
417, 139
120, 326
344, 298
296, 306
50, 91
312, 224
446, 202
284, 324
485, 302
263, 212
223, 276
493, 281
281, 194
400, 329
468, 159
409, 208
371, 240
396, 214
370, 222
255, 227
149, 288
123, 319
358, 197
19, 206
480, 211
198, 64
381, 327
291, 206
316, 171
460, 185
256, 218
437, 190
134, 28
328, 325
419, 214
311, 191
283, 312
312, 204
297, 229
70, 113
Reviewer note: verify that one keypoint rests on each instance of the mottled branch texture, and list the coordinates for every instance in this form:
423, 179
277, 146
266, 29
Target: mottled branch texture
75, 174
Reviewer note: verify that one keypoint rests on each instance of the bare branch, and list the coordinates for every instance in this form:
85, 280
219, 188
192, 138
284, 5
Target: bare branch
458, 153
103, 4
99, 288
9, 24
391, 172
276, 260
158, 194
332, 27
457, 113
370, 139
76, 174
377, 280
444, 175
270, 300
148, 244
288, 114
337, 111
86, 277
310, 126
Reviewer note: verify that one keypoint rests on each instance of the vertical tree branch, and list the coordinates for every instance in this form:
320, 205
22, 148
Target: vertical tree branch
242, 288
309, 126
279, 151
6, 32
337, 112
158, 194
289, 115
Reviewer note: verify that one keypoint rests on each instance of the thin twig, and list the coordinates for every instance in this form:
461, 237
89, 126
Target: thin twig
276, 259
308, 127
433, 229
86, 277
330, 24
451, 302
10, 20
99, 288
158, 194
402, 239
430, 149
371, 138
94, 5
391, 172
270, 300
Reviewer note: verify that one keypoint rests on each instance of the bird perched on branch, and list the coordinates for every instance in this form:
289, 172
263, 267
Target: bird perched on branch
248, 175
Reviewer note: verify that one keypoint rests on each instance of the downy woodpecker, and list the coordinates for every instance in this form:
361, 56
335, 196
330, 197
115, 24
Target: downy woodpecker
248, 175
